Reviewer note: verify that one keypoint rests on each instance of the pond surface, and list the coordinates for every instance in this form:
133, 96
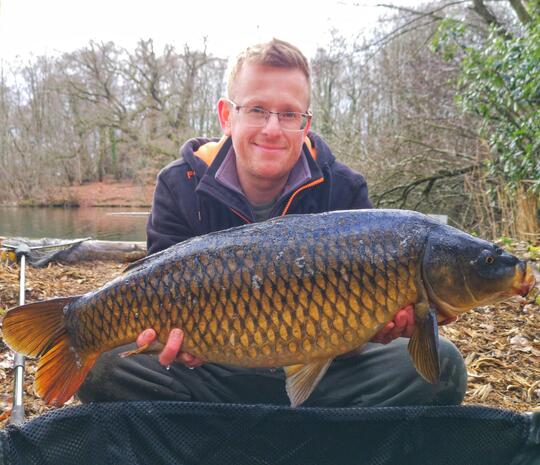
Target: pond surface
112, 224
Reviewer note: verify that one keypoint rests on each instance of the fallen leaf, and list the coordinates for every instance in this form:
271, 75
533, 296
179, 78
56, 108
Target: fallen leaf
521, 343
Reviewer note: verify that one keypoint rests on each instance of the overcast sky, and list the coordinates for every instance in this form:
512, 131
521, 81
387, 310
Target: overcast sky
36, 27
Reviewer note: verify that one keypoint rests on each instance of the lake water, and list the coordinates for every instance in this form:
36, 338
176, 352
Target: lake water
112, 224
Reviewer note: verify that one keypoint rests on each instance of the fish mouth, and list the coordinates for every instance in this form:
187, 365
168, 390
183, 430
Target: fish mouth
526, 282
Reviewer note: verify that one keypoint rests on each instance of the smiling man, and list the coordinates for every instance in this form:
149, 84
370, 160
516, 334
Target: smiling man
267, 144
267, 163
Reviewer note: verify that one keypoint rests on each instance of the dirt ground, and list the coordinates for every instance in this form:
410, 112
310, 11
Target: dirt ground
501, 344
108, 193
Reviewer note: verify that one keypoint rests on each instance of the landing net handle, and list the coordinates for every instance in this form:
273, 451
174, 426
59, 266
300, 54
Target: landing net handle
17, 412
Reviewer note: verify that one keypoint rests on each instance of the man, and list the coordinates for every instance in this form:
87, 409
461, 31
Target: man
267, 164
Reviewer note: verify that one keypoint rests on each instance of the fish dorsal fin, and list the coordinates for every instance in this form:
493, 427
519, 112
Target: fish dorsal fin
424, 347
302, 379
143, 262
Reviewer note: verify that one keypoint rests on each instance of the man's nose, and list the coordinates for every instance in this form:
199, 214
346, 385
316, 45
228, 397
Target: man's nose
272, 124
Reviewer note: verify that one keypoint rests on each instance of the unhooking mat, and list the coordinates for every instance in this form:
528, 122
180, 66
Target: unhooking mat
153, 433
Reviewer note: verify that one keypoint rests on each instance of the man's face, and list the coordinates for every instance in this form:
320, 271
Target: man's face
265, 154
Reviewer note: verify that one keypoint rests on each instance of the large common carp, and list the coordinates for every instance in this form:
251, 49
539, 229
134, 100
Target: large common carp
292, 292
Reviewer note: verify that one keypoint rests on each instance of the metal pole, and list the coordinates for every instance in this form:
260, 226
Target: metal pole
17, 412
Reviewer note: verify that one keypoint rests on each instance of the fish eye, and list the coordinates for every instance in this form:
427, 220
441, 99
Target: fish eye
486, 256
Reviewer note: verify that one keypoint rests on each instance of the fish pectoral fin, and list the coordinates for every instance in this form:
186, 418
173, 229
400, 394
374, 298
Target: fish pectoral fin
153, 348
302, 379
424, 347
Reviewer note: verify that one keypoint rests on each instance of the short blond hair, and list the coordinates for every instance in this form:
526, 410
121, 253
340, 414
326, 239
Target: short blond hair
276, 53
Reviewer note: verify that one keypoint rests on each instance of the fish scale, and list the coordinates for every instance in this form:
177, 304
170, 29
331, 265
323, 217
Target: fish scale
291, 295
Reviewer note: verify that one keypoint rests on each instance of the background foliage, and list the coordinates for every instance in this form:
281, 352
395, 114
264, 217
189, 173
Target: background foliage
499, 81
439, 110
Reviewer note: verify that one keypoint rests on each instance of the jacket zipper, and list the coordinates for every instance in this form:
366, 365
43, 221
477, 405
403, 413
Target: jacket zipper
289, 202
246, 220
300, 189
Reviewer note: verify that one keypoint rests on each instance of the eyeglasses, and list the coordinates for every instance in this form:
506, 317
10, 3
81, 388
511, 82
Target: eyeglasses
258, 117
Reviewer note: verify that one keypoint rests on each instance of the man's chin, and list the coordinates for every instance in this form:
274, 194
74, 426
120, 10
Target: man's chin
271, 175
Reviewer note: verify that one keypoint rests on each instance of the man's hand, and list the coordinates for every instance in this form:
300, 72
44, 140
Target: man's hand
401, 326
172, 351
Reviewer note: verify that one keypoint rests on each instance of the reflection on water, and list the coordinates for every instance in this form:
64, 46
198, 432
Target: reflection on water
68, 223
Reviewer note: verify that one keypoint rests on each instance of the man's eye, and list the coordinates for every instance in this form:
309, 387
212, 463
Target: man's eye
289, 115
255, 111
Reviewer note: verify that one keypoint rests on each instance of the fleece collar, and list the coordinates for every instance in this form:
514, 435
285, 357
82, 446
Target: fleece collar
227, 175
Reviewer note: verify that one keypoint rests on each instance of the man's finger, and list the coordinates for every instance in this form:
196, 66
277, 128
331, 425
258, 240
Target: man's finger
383, 333
409, 330
172, 347
405, 321
388, 328
189, 360
401, 319
395, 333
186, 358
146, 337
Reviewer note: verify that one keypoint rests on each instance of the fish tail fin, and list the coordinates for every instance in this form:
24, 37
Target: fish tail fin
31, 329
61, 371
38, 330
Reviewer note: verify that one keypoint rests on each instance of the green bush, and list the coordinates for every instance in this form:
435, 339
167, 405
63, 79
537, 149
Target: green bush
500, 82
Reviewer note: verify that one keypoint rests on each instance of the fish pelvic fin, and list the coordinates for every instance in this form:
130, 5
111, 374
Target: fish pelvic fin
38, 330
154, 348
424, 347
302, 379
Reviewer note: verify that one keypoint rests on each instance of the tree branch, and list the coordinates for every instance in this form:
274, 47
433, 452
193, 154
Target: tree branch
521, 11
428, 181
422, 13
485, 13
435, 149
408, 26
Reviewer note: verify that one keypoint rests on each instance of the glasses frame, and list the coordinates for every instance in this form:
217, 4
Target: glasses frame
267, 114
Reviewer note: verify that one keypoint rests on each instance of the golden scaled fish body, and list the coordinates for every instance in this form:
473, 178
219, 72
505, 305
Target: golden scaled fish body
293, 292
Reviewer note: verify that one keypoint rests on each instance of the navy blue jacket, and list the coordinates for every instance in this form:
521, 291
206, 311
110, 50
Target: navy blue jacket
188, 201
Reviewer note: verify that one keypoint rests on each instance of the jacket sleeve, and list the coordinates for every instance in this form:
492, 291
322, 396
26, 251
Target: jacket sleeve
349, 189
360, 198
167, 224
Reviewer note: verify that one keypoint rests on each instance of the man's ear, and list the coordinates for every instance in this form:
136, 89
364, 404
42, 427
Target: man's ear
224, 114
306, 129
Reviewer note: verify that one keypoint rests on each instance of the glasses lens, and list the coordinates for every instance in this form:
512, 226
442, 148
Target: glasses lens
258, 117
292, 121
253, 116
